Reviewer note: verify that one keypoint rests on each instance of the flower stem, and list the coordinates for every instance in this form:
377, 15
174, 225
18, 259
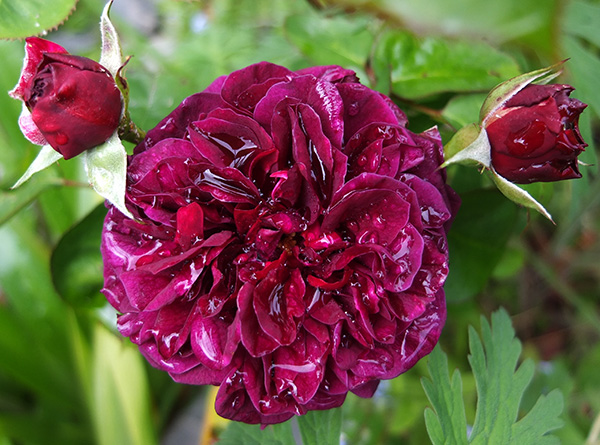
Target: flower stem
130, 132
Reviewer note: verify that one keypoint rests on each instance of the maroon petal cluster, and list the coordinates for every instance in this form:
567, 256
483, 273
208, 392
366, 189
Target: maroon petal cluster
535, 135
289, 242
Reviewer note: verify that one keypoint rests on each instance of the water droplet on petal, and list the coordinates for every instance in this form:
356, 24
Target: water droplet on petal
61, 139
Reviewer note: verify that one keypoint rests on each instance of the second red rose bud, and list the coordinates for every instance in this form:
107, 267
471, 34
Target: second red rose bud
535, 136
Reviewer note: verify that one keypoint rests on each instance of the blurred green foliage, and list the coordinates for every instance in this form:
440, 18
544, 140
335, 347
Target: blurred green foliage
67, 378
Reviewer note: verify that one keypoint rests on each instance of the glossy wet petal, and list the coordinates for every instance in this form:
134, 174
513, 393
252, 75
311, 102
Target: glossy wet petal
290, 243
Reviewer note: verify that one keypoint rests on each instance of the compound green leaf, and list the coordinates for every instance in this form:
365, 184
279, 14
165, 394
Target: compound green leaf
500, 388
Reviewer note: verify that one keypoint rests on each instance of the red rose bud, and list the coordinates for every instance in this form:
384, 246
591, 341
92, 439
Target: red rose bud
535, 135
73, 101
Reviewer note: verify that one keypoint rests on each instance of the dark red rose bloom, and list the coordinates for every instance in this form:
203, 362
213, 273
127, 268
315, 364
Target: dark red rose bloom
290, 242
72, 102
535, 135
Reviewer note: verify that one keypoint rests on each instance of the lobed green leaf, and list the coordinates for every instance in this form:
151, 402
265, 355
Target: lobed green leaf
501, 383
448, 423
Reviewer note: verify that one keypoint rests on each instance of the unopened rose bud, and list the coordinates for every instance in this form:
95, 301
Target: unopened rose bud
535, 137
72, 102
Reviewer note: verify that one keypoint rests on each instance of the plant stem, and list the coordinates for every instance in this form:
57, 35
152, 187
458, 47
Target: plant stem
130, 132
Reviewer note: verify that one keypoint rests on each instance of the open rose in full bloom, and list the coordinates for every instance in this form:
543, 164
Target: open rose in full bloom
70, 102
289, 242
535, 136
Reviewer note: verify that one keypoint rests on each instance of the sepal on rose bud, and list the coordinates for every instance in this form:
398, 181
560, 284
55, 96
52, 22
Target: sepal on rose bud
484, 144
503, 92
111, 57
45, 158
104, 157
106, 168
469, 145
518, 195
477, 149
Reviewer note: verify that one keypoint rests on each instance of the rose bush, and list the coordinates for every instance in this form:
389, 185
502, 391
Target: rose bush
70, 102
289, 242
535, 135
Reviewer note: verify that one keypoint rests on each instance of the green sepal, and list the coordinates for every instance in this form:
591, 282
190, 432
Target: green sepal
503, 92
517, 194
106, 167
45, 158
469, 145
111, 57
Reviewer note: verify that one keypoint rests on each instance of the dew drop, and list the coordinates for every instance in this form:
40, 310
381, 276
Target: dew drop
527, 139
353, 109
61, 139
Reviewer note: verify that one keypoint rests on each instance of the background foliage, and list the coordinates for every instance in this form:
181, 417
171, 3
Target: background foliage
66, 377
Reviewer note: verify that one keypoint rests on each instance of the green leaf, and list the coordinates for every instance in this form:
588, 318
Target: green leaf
581, 20
76, 263
321, 427
583, 66
477, 240
238, 433
325, 40
448, 423
527, 21
121, 407
419, 67
464, 109
501, 384
24, 18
